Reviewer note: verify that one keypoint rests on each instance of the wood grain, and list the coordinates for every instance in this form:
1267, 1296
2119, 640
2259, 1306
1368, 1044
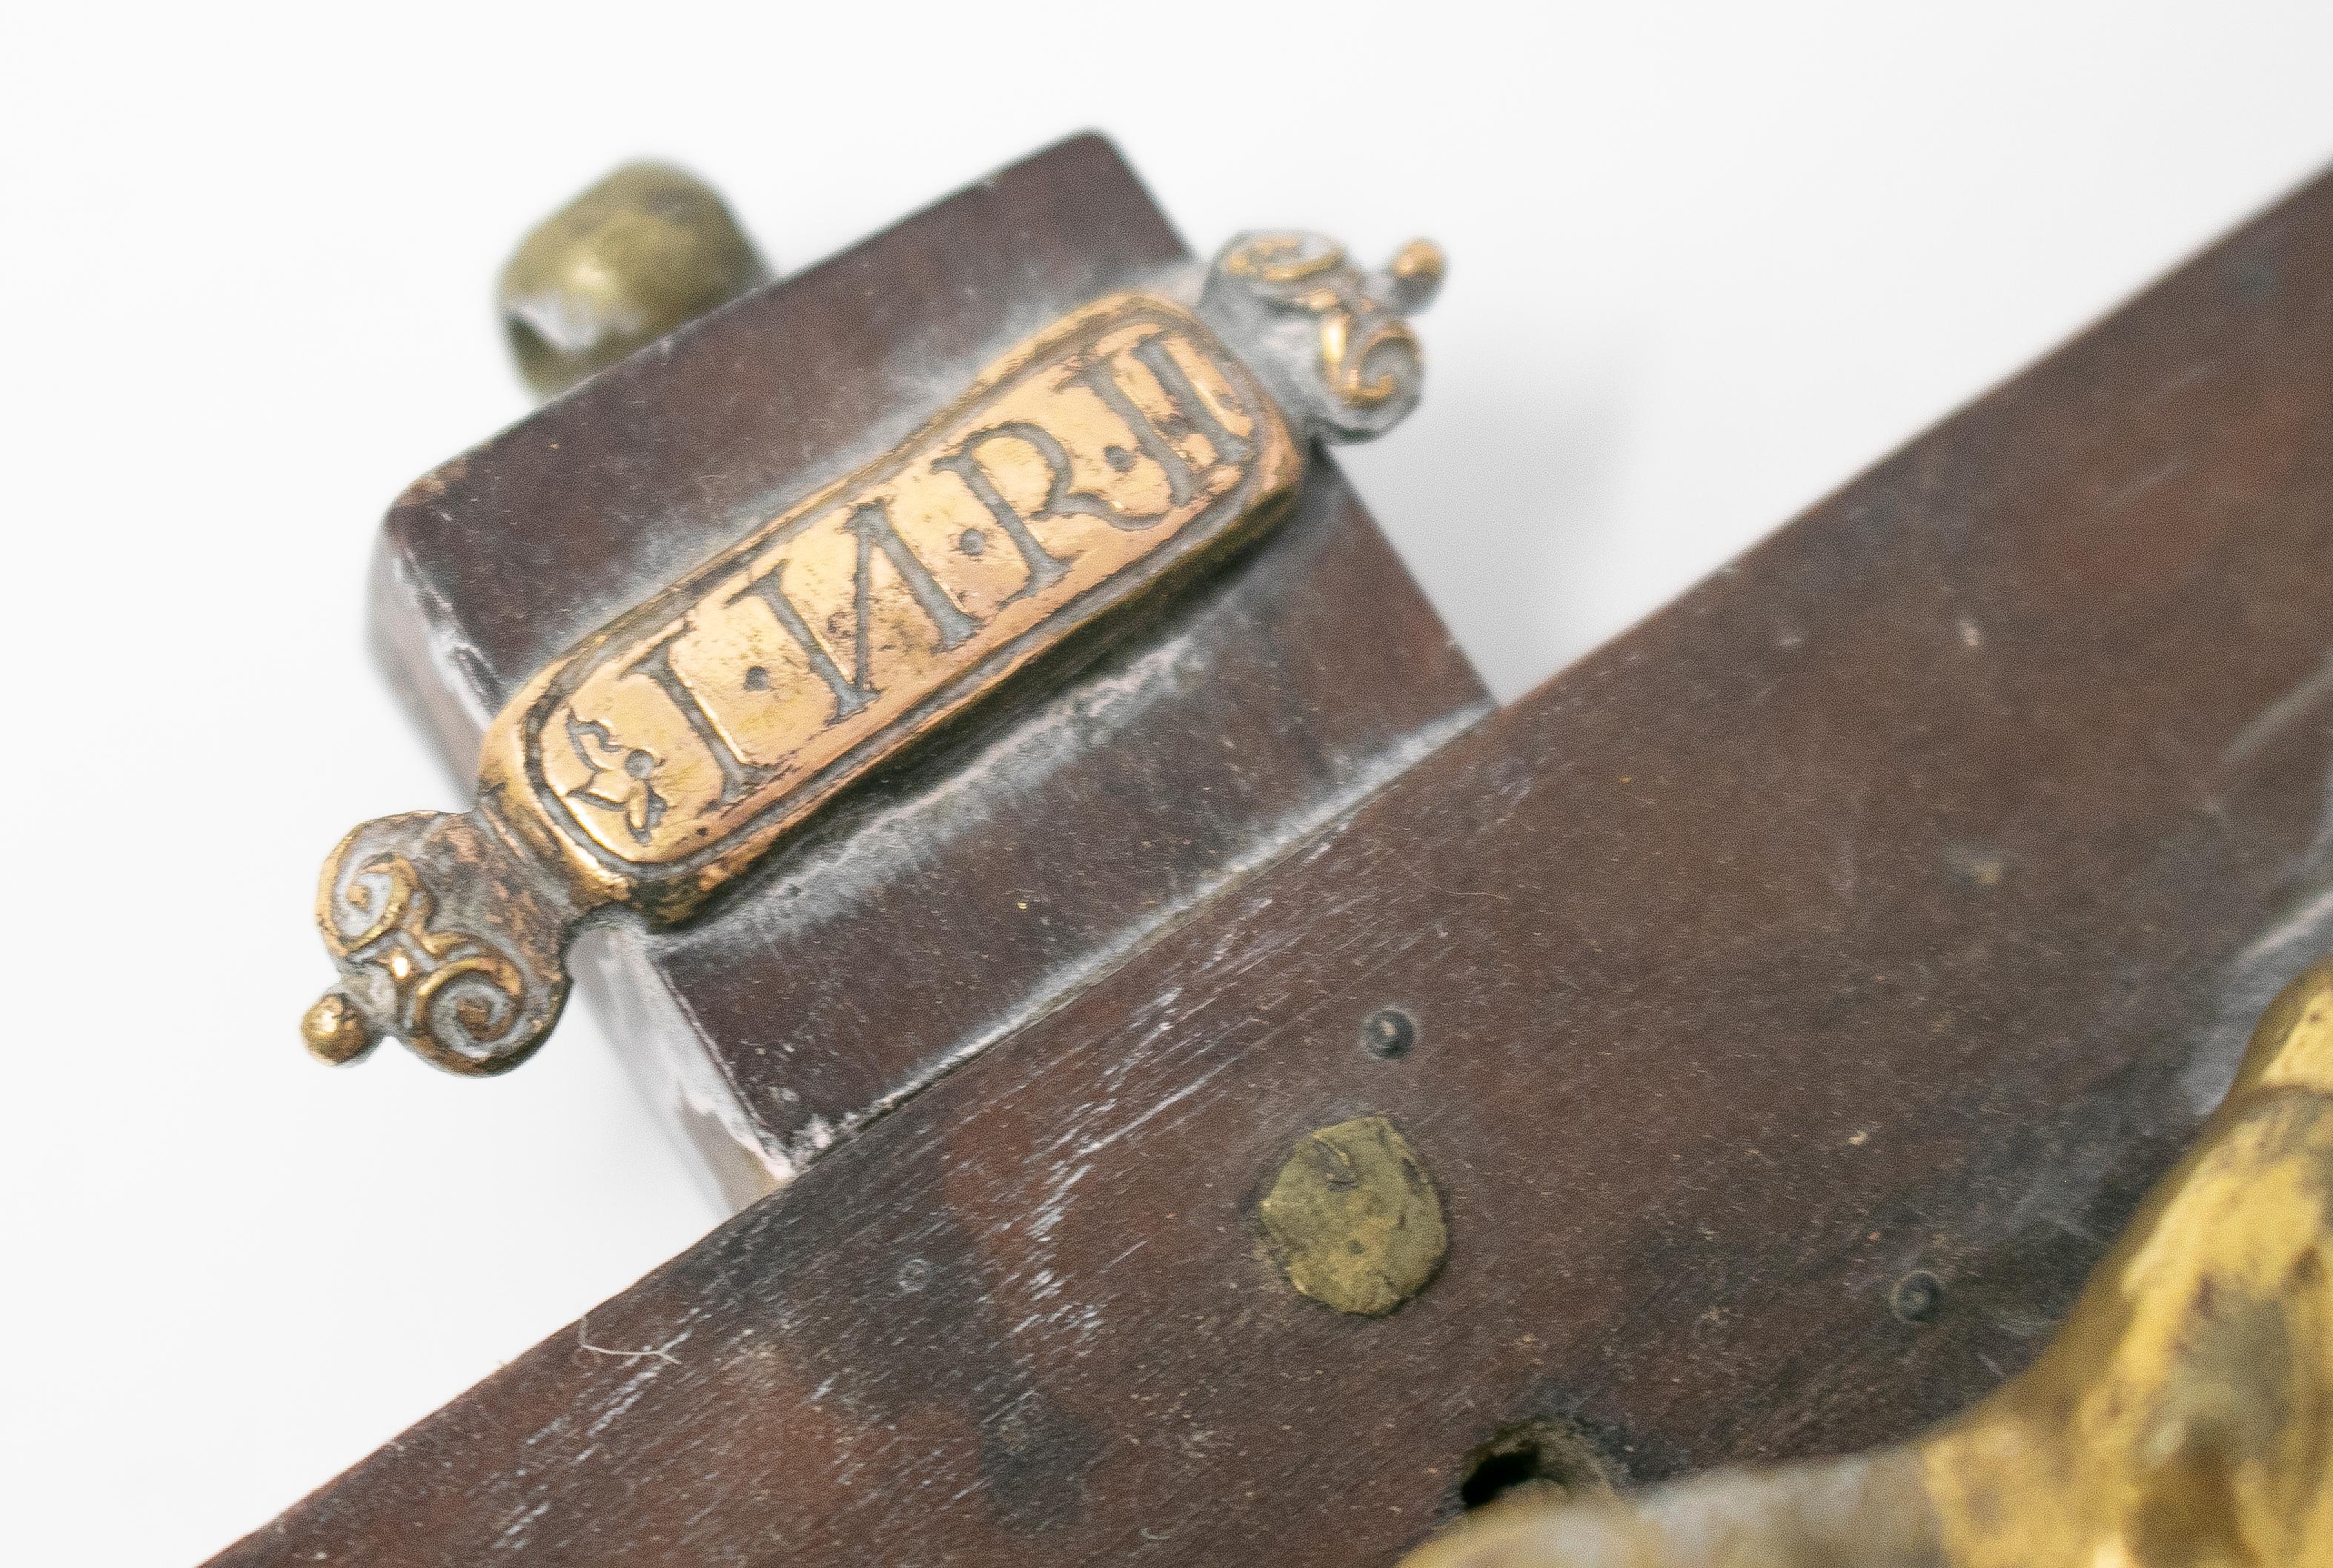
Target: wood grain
1896, 901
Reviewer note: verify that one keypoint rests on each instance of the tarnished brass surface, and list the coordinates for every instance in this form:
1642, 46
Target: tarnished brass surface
1120, 448
335, 1030
1354, 1220
645, 250
1366, 355
2182, 1417
445, 936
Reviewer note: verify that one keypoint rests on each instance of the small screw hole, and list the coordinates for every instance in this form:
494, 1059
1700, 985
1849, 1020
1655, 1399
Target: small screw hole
1389, 1033
1917, 1296
1541, 1459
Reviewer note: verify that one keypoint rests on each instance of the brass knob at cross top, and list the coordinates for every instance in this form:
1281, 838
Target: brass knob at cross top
648, 249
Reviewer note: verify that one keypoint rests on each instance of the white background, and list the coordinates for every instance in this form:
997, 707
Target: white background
1707, 261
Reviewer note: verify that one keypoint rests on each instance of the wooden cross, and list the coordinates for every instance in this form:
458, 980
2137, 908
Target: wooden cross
1740, 1047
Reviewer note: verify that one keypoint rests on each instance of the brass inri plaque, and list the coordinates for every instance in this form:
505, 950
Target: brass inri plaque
674, 745
662, 755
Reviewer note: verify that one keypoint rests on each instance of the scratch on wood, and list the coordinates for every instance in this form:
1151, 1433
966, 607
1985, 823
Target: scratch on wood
2170, 468
661, 1353
2278, 715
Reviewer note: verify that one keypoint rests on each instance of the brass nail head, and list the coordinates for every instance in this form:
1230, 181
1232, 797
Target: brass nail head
1354, 1220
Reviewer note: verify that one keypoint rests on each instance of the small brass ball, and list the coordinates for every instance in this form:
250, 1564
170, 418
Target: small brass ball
335, 1031
1417, 270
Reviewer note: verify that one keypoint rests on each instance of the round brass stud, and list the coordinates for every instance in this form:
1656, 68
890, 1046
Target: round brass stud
1354, 1220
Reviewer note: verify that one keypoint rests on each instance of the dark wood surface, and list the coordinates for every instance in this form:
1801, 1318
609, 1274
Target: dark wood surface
1896, 901
1048, 833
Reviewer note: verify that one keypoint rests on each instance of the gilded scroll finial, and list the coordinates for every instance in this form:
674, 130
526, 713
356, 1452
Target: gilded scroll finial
1118, 449
1343, 353
446, 937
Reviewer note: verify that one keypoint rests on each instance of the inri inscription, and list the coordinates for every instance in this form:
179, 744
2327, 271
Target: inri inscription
710, 716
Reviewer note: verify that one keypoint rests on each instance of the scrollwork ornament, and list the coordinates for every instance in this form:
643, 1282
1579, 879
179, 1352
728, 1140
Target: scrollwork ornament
417, 965
1336, 339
